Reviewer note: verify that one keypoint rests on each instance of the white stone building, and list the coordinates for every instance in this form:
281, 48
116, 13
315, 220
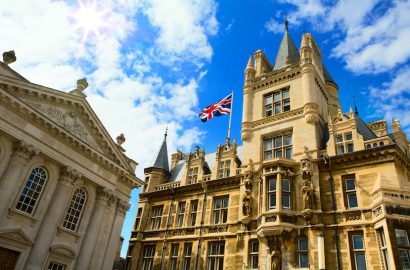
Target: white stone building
64, 183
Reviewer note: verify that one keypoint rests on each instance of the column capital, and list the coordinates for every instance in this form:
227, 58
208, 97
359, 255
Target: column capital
25, 150
105, 194
123, 206
69, 175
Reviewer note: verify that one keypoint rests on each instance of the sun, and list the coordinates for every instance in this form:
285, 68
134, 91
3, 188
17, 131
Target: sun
90, 19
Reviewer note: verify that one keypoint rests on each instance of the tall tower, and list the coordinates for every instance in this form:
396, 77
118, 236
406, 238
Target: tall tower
293, 96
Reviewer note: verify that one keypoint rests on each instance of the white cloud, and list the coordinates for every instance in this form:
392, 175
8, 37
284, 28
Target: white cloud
273, 26
183, 32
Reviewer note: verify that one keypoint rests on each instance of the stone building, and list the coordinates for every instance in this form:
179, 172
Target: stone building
64, 183
311, 187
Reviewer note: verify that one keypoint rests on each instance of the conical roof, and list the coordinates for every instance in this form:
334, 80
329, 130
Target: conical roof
161, 159
288, 54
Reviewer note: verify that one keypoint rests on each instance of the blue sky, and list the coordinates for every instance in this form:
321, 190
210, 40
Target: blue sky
155, 63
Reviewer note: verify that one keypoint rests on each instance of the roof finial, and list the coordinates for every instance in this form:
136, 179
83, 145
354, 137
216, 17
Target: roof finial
356, 112
286, 24
166, 132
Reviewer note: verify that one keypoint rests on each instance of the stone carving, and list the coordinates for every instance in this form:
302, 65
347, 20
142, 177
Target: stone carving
9, 57
246, 206
68, 120
25, 150
306, 163
123, 206
70, 173
377, 211
121, 139
307, 194
105, 194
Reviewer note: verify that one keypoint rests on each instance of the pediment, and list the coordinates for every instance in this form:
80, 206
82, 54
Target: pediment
15, 235
63, 250
70, 113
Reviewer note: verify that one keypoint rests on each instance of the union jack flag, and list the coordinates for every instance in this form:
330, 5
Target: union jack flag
217, 109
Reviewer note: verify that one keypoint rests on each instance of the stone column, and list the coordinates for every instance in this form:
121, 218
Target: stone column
279, 190
12, 178
53, 216
104, 236
92, 233
122, 208
321, 250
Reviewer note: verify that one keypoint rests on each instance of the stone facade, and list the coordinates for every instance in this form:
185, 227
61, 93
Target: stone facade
64, 183
311, 187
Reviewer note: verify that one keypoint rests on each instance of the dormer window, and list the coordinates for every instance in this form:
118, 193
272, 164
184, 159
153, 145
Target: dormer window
277, 102
278, 146
225, 169
344, 143
192, 175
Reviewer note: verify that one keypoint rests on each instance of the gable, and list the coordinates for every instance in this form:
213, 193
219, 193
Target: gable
69, 112
6, 71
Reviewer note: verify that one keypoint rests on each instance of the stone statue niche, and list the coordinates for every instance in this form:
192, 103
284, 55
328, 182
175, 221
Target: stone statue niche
275, 253
306, 172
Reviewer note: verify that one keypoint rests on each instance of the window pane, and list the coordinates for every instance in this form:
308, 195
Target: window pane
303, 260
303, 244
277, 108
267, 145
276, 97
352, 200
357, 242
285, 94
286, 200
348, 137
272, 201
285, 185
268, 99
278, 153
339, 139
288, 139
288, 153
268, 155
286, 105
340, 150
401, 237
350, 148
272, 184
350, 184
405, 258
225, 201
255, 246
360, 261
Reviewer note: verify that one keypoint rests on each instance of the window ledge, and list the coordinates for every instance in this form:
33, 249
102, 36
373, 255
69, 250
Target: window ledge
15, 212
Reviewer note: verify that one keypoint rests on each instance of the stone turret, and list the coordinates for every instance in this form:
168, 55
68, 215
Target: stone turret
247, 95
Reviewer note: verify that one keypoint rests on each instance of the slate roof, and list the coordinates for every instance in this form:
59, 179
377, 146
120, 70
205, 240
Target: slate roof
327, 76
287, 51
364, 129
161, 159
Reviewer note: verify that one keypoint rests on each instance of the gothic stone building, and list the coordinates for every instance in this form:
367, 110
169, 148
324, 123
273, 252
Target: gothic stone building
310, 188
64, 183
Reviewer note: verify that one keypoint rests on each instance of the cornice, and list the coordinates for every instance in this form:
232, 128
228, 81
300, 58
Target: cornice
383, 154
40, 121
274, 118
271, 79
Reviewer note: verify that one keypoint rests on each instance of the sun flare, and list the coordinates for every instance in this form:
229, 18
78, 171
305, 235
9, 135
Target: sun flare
90, 19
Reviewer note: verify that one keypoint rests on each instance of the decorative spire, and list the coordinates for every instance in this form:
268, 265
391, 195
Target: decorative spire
250, 62
166, 133
287, 54
356, 112
161, 159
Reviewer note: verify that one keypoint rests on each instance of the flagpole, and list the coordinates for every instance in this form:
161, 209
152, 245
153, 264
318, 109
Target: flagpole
230, 118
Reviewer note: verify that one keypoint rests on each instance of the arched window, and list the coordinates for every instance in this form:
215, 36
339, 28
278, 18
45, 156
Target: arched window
32, 191
303, 259
74, 212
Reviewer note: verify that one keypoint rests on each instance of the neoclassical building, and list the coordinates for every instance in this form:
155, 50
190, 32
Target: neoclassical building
311, 187
64, 183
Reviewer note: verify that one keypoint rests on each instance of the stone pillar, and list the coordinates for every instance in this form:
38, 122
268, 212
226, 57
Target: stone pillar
12, 178
92, 233
53, 216
263, 195
104, 236
321, 250
279, 190
122, 208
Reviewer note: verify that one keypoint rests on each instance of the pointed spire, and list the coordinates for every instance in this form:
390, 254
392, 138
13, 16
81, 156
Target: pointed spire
250, 62
161, 159
288, 54
356, 112
304, 41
